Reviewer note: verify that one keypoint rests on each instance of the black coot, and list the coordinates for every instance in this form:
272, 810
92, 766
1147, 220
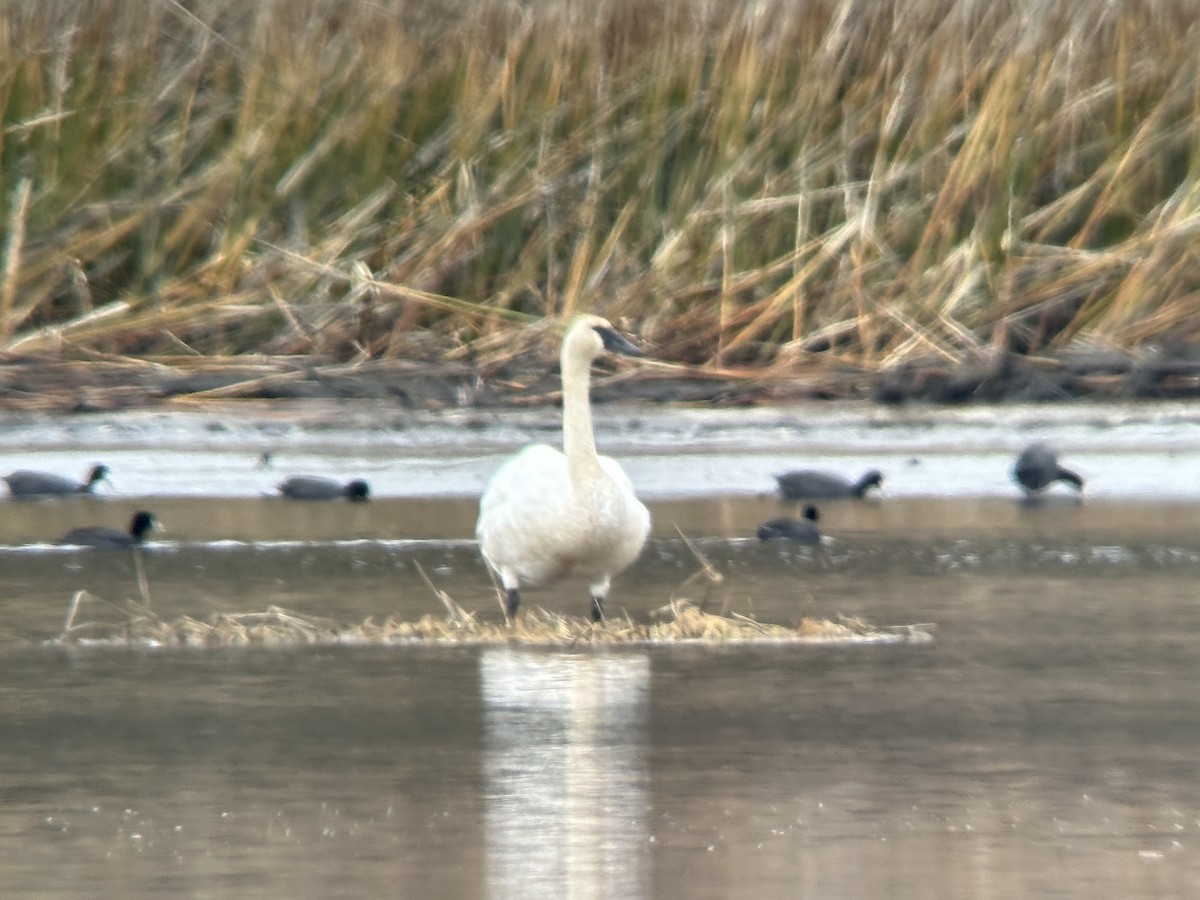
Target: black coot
1037, 468
314, 487
808, 484
44, 484
110, 538
803, 531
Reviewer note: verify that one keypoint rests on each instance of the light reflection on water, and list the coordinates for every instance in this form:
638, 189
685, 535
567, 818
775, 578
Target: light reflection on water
565, 773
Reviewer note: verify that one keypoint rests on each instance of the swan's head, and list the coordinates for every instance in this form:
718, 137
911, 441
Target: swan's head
592, 336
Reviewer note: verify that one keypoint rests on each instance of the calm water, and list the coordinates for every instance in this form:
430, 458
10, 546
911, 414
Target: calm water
1044, 745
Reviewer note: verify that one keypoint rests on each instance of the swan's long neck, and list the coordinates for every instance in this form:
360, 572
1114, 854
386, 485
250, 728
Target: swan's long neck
579, 441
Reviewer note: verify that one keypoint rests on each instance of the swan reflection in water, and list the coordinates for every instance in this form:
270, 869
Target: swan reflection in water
565, 770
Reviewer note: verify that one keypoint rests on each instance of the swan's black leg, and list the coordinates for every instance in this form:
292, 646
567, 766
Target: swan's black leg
597, 609
511, 604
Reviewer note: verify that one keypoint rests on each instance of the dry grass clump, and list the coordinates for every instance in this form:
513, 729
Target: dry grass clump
679, 622
134, 623
745, 184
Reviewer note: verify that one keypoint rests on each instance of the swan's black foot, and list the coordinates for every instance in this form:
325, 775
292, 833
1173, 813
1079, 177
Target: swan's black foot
597, 609
511, 603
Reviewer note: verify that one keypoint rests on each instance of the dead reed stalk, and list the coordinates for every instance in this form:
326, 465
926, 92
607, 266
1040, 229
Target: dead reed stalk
747, 186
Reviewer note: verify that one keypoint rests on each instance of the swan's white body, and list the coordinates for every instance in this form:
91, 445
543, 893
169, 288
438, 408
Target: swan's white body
545, 513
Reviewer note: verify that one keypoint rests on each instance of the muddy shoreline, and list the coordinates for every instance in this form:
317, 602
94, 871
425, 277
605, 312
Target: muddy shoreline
103, 383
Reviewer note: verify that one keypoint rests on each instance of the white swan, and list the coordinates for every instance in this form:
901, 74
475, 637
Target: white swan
544, 513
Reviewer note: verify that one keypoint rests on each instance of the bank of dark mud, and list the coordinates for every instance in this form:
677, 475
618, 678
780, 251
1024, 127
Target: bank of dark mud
94, 382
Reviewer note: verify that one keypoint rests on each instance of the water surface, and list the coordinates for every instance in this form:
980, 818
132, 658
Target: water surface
1042, 745
1126, 452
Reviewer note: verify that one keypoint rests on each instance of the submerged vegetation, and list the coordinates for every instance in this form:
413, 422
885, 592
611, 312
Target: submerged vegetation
761, 185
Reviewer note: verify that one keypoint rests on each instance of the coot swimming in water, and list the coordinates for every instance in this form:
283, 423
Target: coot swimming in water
803, 531
110, 538
1037, 468
808, 484
314, 487
44, 484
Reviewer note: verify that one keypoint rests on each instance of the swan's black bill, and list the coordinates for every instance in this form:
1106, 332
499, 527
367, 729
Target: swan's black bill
615, 343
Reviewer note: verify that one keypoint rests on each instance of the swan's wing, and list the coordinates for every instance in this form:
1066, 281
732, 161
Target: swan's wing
637, 518
532, 527
613, 469
524, 480
522, 515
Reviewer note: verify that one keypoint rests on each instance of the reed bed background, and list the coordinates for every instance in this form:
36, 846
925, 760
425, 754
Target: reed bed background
743, 184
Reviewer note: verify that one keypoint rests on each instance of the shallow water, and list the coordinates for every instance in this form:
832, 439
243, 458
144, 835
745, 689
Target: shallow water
1042, 745
1147, 451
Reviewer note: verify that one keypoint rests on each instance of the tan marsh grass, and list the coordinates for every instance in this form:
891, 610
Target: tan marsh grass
744, 184
679, 622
